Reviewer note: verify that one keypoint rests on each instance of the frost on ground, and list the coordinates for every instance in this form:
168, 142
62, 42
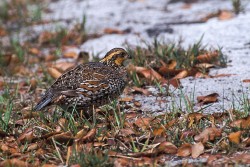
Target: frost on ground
147, 19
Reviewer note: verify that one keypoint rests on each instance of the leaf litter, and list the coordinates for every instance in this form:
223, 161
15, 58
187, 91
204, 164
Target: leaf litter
114, 136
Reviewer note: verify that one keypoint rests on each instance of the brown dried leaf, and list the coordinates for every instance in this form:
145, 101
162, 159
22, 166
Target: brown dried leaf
3, 32
234, 137
54, 73
34, 51
126, 132
175, 82
126, 99
246, 80
197, 149
168, 73
208, 57
159, 131
14, 162
186, 134
211, 98
32, 147
45, 37
185, 150
143, 123
5, 59
50, 57
167, 148
33, 84
222, 75
149, 74
71, 54
171, 123
194, 118
209, 134
80, 134
141, 90
63, 66
89, 136
137, 104
182, 74
204, 65
113, 31
241, 123
49, 165
225, 15
27, 135
65, 137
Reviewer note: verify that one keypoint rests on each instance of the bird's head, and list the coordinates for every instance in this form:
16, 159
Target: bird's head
116, 57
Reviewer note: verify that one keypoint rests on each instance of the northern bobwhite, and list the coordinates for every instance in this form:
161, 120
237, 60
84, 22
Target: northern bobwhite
89, 85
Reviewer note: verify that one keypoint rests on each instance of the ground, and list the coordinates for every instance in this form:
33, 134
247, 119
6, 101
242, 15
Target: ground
198, 116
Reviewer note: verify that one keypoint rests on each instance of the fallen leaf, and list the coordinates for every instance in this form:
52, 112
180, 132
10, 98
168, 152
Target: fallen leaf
34, 51
182, 74
159, 131
143, 122
114, 31
126, 99
141, 90
50, 57
3, 32
149, 74
197, 149
171, 64
45, 37
70, 54
5, 59
209, 134
54, 73
241, 123
65, 138
204, 65
89, 136
246, 80
234, 137
211, 98
80, 134
167, 148
49, 165
63, 66
222, 75
14, 162
225, 15
174, 82
27, 135
137, 104
208, 57
32, 147
33, 84
188, 133
169, 73
126, 132
185, 150
194, 118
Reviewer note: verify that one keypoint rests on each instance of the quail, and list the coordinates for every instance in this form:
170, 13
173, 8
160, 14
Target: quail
89, 85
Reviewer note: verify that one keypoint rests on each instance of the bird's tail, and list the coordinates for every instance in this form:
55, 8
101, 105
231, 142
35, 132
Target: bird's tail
46, 99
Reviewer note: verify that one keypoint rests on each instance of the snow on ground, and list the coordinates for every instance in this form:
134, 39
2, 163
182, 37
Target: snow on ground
143, 16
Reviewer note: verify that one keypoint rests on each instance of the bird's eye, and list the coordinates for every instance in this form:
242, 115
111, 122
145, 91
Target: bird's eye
123, 54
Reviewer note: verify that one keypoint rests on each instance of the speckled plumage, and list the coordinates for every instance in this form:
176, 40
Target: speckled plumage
89, 85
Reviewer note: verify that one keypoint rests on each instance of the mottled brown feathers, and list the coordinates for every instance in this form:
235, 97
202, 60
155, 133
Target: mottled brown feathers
89, 85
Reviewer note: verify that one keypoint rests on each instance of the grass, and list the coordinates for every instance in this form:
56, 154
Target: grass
237, 6
56, 131
92, 158
157, 54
